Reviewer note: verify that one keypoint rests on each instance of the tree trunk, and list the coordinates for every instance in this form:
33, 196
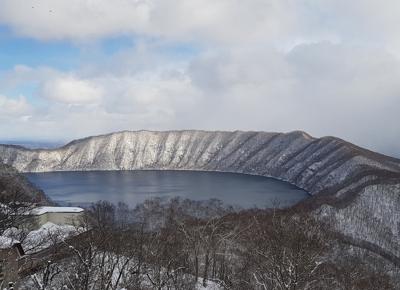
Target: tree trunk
206, 265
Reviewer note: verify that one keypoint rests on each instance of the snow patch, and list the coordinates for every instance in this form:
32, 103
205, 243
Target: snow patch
6, 242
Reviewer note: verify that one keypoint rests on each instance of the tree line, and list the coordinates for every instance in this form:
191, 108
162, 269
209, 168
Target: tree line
183, 244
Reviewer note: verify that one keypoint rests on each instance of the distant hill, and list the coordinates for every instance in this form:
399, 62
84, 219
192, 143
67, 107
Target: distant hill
33, 144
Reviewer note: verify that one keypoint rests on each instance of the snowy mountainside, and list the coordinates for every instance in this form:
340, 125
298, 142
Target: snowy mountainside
357, 189
327, 165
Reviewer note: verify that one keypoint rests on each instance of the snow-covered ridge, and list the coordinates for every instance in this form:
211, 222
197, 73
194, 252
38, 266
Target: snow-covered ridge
341, 176
325, 165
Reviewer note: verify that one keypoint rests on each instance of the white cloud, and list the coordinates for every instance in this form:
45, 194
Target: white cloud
281, 22
328, 67
82, 20
96, 101
14, 107
157, 94
73, 19
323, 88
70, 90
22, 74
326, 89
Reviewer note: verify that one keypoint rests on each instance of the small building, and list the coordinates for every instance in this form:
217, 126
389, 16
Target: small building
10, 253
57, 215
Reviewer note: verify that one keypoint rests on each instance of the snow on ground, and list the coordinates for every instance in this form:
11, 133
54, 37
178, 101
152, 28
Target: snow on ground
210, 285
47, 235
6, 242
44, 237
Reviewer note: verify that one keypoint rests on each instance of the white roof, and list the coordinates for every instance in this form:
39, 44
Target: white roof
61, 209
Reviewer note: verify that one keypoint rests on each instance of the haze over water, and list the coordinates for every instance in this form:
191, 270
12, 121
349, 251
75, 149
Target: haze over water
133, 187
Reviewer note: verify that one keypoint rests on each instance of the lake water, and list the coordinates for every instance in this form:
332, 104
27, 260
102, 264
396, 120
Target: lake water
132, 187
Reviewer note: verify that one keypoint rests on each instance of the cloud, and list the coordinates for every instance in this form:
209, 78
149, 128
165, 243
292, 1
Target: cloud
328, 67
281, 22
14, 107
361, 20
323, 88
83, 20
70, 90
97, 100
73, 19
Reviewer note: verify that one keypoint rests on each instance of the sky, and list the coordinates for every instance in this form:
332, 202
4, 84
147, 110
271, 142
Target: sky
74, 68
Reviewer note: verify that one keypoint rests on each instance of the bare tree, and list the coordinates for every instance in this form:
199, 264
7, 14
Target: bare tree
287, 252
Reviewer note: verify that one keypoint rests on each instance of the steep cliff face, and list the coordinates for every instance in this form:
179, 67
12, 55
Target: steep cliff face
327, 166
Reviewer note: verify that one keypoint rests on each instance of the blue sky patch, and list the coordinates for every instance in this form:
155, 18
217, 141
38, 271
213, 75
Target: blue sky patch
17, 50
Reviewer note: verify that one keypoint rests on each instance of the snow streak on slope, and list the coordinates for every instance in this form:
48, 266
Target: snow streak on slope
327, 165
358, 190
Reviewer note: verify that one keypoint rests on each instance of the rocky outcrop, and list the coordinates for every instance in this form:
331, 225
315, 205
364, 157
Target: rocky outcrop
355, 188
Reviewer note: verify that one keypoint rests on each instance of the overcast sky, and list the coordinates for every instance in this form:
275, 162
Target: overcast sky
72, 68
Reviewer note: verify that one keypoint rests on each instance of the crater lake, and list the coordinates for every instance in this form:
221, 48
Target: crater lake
81, 188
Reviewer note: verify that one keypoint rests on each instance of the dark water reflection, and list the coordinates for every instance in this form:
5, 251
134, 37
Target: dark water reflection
132, 187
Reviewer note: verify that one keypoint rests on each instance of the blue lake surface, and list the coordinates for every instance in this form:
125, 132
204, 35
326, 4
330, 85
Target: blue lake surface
133, 187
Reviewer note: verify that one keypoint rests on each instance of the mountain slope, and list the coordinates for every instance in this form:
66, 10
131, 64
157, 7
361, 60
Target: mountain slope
16, 187
321, 166
358, 190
